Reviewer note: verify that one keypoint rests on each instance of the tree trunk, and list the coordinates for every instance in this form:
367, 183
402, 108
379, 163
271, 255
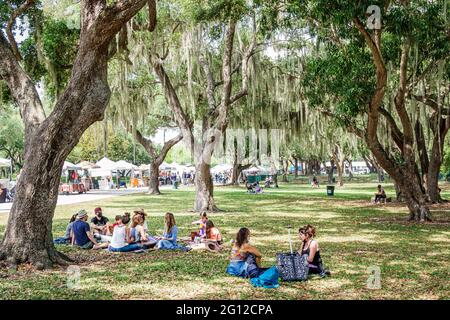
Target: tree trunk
204, 188
48, 141
236, 173
340, 172
28, 236
330, 171
380, 174
295, 168
416, 199
285, 165
350, 170
158, 158
153, 184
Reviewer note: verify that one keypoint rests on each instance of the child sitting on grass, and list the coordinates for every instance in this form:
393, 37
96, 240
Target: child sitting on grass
202, 223
138, 233
121, 241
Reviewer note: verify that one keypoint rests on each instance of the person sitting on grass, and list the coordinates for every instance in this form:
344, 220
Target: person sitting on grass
257, 188
67, 239
315, 182
138, 233
116, 222
169, 239
202, 223
82, 235
310, 247
245, 259
249, 187
121, 241
100, 223
380, 196
212, 233
142, 213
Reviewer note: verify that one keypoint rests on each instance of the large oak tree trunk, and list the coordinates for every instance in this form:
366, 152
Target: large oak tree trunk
28, 236
48, 141
406, 175
204, 188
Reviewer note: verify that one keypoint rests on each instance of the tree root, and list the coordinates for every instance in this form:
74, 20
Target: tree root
40, 259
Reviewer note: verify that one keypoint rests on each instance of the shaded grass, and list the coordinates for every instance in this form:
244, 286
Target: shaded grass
353, 235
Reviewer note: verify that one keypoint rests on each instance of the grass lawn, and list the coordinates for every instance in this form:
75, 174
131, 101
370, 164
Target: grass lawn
353, 234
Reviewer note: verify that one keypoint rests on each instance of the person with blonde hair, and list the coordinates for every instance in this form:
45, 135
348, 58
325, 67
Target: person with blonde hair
169, 239
138, 234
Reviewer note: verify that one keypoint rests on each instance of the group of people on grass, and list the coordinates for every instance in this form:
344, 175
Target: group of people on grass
254, 187
130, 233
245, 260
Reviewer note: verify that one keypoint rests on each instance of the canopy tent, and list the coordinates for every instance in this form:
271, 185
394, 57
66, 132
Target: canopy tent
106, 164
258, 170
144, 167
253, 169
124, 165
165, 166
221, 168
100, 172
87, 165
5, 163
70, 166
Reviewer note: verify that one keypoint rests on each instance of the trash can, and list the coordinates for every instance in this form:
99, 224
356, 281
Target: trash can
330, 190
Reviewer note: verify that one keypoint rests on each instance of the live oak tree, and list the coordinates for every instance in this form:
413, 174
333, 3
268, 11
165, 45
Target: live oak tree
214, 72
364, 78
136, 105
50, 138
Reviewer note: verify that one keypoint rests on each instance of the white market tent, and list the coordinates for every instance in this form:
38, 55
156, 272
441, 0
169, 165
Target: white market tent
252, 169
5, 163
221, 168
70, 166
165, 166
258, 169
144, 167
87, 165
124, 165
106, 164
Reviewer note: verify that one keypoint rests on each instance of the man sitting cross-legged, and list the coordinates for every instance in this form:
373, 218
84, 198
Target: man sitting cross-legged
82, 235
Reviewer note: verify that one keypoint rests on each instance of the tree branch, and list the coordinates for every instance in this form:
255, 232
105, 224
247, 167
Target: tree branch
168, 145
210, 83
10, 25
397, 135
21, 87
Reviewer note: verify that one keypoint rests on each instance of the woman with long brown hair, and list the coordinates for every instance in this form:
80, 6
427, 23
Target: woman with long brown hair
169, 239
245, 259
310, 247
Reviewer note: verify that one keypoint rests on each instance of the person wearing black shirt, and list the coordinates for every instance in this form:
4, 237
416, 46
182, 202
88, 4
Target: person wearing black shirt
99, 223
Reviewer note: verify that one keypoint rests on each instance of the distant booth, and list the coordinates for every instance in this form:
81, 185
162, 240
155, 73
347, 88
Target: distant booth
141, 176
72, 175
110, 174
257, 174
